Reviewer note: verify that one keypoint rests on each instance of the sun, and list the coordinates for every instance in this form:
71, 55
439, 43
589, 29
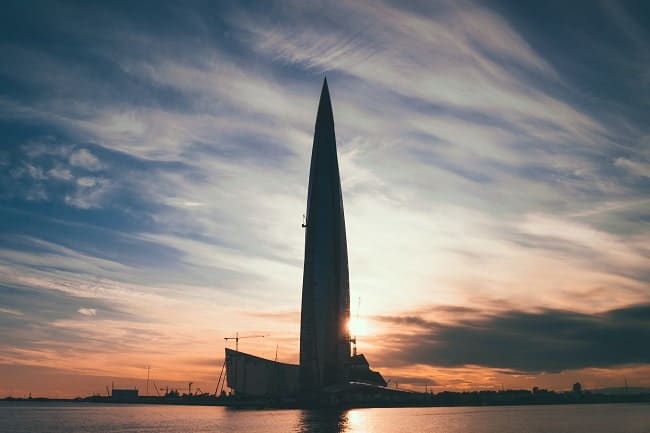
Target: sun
358, 327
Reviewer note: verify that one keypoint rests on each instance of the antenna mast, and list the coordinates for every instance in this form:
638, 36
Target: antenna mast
354, 339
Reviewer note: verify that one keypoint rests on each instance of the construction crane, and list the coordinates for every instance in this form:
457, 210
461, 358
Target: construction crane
222, 379
237, 338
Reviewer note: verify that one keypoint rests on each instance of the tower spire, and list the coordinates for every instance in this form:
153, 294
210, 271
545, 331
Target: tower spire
324, 335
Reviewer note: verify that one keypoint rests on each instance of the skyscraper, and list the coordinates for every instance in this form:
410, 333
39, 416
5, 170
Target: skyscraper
324, 335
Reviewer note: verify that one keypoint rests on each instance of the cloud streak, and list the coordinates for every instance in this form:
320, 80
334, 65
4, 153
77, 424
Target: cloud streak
529, 342
87, 311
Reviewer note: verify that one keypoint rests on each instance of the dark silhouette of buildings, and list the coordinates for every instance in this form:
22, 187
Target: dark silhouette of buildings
124, 395
326, 366
260, 377
324, 335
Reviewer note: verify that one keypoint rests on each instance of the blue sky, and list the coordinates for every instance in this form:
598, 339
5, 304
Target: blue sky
495, 163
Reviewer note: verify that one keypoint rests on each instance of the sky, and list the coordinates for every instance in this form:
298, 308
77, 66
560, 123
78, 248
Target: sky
495, 167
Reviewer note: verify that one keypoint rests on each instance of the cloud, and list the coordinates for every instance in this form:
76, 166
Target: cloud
285, 316
87, 311
45, 146
60, 173
11, 311
403, 320
472, 46
86, 182
529, 342
35, 172
84, 159
90, 193
635, 168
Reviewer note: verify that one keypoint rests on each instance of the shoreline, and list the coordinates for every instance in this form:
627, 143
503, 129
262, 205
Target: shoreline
474, 399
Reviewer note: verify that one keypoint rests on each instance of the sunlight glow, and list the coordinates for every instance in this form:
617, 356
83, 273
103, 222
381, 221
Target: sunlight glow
359, 327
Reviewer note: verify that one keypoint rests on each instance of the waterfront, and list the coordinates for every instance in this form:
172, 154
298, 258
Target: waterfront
21, 417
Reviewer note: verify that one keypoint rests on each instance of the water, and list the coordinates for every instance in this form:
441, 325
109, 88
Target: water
101, 418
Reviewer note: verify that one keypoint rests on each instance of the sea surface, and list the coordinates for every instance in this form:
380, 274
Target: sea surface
19, 417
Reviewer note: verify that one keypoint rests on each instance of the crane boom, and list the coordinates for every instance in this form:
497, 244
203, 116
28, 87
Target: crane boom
237, 338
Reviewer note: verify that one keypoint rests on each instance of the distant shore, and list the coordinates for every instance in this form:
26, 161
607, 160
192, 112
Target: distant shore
442, 399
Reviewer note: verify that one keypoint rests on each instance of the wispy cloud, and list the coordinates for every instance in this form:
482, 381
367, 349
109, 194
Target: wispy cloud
84, 159
635, 168
11, 311
87, 311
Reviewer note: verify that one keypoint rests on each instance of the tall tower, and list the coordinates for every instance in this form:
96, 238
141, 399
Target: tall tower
324, 335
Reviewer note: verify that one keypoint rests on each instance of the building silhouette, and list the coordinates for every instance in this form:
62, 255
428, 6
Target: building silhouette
325, 313
326, 365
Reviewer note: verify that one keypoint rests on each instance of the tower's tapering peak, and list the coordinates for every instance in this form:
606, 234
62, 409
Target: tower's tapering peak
325, 106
